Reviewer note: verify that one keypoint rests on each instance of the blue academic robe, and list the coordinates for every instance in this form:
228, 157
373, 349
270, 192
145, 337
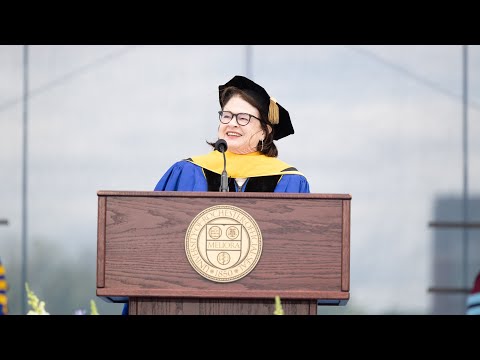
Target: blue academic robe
186, 176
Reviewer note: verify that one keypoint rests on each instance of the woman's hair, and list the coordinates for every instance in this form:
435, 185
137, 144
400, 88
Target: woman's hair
269, 148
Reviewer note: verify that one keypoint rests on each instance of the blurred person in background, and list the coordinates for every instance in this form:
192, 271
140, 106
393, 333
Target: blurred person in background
473, 299
3, 291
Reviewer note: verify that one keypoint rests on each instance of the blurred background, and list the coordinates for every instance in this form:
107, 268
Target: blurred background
395, 126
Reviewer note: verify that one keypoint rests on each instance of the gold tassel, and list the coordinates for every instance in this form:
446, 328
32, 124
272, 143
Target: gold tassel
273, 112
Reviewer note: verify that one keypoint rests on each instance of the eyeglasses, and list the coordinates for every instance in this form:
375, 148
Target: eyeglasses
242, 118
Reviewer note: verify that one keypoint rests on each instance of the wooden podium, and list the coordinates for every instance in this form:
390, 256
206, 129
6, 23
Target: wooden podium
142, 259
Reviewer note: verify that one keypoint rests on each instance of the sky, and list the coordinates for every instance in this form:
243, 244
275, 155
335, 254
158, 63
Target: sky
382, 123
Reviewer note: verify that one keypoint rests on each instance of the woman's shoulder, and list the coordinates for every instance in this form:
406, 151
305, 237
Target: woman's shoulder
296, 183
293, 180
181, 176
181, 168
288, 168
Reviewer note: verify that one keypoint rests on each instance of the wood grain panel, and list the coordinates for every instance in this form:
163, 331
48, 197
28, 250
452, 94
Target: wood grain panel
346, 246
101, 242
148, 306
303, 257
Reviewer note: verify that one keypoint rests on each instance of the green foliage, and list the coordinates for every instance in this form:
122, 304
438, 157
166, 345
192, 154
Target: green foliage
63, 280
37, 306
93, 308
278, 306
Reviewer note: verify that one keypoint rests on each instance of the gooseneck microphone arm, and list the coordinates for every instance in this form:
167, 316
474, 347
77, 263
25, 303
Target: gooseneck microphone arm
224, 177
221, 145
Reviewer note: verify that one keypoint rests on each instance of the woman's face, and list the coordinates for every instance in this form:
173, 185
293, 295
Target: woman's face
241, 139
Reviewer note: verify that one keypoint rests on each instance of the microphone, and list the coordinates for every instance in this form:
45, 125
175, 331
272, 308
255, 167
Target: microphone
221, 145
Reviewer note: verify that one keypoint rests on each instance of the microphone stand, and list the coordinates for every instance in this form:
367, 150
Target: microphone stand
224, 177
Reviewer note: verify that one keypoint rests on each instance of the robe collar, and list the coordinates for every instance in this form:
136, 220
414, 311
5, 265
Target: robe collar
244, 166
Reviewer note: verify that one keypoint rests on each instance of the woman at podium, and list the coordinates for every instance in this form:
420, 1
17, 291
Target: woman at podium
250, 122
245, 156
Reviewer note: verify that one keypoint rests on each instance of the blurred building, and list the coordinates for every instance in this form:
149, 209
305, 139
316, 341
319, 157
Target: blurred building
454, 268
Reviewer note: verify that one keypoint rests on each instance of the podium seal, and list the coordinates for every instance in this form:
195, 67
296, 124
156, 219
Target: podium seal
223, 243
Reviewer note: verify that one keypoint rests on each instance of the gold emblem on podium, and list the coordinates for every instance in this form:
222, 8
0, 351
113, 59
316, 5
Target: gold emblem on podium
223, 243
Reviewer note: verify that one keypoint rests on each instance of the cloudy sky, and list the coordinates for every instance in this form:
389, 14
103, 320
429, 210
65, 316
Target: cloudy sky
382, 123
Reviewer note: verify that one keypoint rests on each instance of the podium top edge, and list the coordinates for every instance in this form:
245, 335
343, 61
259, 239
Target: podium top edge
212, 194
